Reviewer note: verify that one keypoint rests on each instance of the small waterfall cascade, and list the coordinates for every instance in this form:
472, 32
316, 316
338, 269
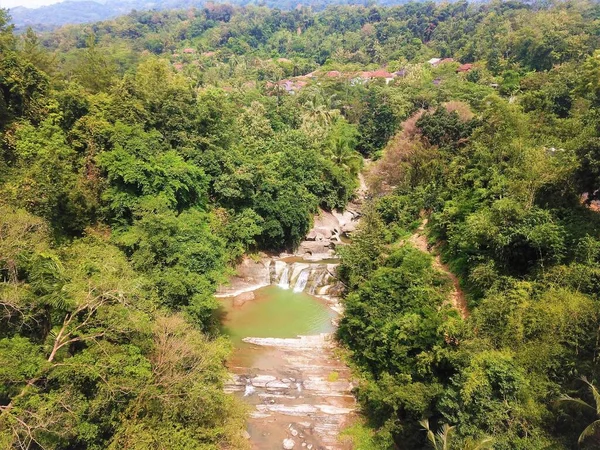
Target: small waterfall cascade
284, 281
314, 278
302, 280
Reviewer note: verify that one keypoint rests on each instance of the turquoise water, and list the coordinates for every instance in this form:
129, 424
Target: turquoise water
279, 313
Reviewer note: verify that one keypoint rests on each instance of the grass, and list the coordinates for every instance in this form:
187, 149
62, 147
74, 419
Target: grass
361, 437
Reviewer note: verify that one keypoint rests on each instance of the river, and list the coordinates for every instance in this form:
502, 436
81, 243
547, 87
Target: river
281, 313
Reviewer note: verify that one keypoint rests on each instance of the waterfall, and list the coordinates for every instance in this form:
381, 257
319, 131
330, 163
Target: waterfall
284, 281
312, 278
301, 281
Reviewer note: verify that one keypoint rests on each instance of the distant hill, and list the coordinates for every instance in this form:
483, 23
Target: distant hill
86, 11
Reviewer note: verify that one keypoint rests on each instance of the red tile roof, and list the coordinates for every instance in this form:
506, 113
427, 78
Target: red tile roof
381, 74
376, 74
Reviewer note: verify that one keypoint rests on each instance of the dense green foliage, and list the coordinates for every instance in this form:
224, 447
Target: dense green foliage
143, 156
507, 185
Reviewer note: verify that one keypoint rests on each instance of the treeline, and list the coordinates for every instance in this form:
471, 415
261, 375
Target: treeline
52, 16
504, 35
508, 185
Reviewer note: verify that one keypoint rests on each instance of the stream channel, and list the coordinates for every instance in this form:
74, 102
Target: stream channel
281, 314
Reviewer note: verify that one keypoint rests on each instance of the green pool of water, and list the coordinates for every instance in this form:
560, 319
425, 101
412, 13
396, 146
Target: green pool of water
277, 312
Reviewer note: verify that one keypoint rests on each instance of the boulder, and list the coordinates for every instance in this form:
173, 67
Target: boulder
314, 235
288, 444
315, 247
250, 275
348, 220
326, 220
326, 233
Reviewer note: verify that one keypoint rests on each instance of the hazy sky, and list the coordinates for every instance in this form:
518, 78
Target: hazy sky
28, 3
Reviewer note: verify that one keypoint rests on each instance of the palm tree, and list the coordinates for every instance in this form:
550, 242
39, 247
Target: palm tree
443, 439
343, 155
342, 145
318, 113
318, 109
440, 440
593, 427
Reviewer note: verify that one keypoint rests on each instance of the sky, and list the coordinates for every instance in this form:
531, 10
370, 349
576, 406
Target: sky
27, 3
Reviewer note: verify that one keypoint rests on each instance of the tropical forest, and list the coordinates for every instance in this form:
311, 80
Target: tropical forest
346, 225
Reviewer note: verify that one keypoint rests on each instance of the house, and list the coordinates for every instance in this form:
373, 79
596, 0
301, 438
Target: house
333, 74
288, 85
380, 74
401, 73
463, 68
438, 61
437, 81
209, 54
310, 75
178, 67
189, 51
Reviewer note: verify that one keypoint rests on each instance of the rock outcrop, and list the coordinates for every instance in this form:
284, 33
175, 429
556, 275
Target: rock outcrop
328, 232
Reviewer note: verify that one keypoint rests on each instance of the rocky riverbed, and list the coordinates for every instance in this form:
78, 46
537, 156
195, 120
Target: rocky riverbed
300, 392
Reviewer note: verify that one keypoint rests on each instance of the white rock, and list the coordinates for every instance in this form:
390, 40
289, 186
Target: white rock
288, 444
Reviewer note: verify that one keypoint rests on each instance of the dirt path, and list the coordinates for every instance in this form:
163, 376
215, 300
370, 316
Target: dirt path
457, 296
